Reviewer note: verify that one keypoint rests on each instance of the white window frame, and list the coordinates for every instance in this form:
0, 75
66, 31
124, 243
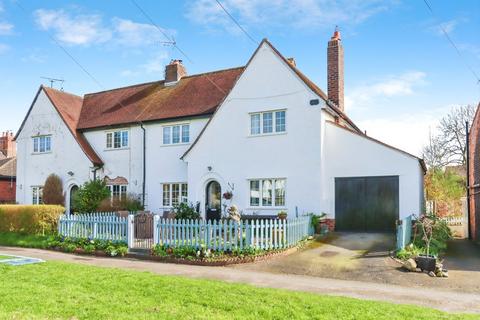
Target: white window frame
260, 191
37, 195
112, 139
123, 191
274, 123
37, 141
181, 136
181, 197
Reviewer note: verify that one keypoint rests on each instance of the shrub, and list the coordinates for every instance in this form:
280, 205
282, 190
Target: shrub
89, 196
185, 211
431, 234
130, 203
30, 219
53, 190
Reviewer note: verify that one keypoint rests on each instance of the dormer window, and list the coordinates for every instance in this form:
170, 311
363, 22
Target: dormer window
42, 144
269, 122
117, 139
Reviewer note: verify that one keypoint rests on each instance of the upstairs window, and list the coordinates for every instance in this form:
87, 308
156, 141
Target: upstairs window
117, 139
37, 195
268, 122
267, 193
176, 134
42, 144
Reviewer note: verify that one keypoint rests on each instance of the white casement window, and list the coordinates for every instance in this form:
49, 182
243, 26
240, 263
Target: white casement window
174, 193
37, 195
268, 122
42, 144
117, 139
118, 191
267, 193
176, 134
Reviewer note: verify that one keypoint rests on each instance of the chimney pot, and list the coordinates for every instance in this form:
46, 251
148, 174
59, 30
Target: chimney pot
335, 71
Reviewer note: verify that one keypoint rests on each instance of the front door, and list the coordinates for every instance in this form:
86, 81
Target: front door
213, 201
73, 191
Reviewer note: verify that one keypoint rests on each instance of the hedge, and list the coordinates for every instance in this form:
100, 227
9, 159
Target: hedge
30, 219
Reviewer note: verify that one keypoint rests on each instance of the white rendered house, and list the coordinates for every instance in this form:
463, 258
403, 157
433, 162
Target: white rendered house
263, 133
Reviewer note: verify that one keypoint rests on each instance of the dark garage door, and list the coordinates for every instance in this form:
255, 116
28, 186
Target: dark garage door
366, 203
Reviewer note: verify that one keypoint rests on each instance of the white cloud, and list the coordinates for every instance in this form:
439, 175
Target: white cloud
130, 33
284, 13
408, 132
73, 30
4, 48
6, 28
155, 65
393, 86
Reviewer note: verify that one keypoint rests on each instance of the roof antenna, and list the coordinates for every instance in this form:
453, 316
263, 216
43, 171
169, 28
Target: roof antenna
53, 81
172, 43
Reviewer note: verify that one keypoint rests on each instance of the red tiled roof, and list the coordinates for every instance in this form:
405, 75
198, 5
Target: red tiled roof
69, 106
192, 96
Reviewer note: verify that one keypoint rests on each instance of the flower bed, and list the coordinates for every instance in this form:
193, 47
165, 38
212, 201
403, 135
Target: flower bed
88, 246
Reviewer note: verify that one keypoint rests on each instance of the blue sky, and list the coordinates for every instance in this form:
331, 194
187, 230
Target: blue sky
401, 74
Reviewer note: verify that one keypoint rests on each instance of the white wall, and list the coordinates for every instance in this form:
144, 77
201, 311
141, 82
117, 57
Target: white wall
350, 155
163, 163
235, 156
66, 154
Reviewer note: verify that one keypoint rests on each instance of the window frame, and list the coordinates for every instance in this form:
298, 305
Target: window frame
262, 124
184, 136
37, 142
273, 197
122, 194
182, 195
123, 136
37, 195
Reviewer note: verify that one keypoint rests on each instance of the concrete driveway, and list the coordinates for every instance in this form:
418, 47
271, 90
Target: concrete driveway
366, 257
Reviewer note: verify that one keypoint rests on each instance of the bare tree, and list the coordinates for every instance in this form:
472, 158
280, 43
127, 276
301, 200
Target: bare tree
449, 146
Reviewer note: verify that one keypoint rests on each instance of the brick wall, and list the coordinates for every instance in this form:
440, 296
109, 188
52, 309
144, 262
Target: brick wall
7, 191
474, 176
335, 75
7, 144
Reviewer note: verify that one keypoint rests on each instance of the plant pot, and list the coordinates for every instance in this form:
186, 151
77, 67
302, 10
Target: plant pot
426, 263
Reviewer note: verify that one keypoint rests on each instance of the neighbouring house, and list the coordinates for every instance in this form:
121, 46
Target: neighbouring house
8, 168
474, 176
262, 136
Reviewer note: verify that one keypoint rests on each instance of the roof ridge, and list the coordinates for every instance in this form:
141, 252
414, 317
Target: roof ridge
61, 91
162, 81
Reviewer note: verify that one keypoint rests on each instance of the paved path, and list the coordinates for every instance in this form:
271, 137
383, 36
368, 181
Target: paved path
438, 299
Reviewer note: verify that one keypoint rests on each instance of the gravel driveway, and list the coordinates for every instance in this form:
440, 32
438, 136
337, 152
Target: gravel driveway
366, 257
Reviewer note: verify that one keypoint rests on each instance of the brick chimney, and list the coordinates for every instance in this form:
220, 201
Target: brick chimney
7, 145
174, 71
335, 75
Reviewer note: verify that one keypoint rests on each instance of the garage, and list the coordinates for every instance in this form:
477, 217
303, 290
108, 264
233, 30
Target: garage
366, 204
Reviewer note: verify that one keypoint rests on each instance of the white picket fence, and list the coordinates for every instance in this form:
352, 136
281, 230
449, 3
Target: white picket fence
227, 235
224, 235
101, 226
454, 220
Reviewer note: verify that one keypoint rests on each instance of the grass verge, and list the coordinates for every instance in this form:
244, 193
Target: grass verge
56, 290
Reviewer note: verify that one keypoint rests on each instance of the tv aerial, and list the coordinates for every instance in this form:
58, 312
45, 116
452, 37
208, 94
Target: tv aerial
53, 81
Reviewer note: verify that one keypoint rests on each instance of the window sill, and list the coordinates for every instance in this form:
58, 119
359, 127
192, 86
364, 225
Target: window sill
116, 149
266, 134
266, 208
175, 144
40, 153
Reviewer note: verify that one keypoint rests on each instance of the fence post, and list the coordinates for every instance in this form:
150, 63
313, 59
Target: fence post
156, 218
130, 226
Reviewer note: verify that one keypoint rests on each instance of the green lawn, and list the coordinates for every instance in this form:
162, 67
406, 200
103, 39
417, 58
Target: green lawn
23, 240
55, 290
5, 257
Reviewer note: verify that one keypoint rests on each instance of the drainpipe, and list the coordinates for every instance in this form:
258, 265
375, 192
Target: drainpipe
467, 147
144, 162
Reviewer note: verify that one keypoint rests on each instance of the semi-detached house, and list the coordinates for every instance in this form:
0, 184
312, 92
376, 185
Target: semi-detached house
263, 132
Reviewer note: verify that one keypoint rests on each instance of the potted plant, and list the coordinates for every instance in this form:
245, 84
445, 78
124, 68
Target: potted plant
317, 221
426, 262
282, 215
228, 195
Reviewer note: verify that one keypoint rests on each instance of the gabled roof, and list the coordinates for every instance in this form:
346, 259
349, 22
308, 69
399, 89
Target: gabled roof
312, 86
8, 167
194, 95
68, 107
363, 135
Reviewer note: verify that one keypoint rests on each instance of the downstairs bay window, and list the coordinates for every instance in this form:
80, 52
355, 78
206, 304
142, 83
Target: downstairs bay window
174, 193
37, 195
118, 192
267, 192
